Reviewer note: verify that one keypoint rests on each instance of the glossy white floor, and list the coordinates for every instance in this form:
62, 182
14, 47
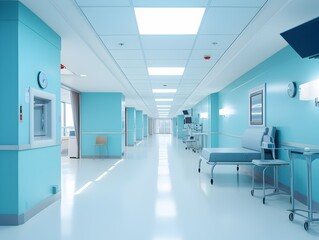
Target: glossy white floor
156, 193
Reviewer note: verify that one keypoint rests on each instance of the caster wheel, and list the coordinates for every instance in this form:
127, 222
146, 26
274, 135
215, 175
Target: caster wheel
252, 192
291, 217
264, 200
237, 168
306, 226
199, 170
211, 181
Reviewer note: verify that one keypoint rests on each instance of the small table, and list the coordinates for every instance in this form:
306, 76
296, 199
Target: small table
309, 156
265, 164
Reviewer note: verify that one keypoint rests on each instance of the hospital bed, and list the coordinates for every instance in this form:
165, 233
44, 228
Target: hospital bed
250, 149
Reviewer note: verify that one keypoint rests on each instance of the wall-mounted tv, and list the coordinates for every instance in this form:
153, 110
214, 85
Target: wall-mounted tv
304, 39
185, 112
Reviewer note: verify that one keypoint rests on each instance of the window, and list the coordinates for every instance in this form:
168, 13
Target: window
67, 123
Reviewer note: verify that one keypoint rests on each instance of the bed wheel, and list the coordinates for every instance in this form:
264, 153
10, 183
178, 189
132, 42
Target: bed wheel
237, 168
264, 200
199, 170
252, 192
291, 217
306, 226
211, 181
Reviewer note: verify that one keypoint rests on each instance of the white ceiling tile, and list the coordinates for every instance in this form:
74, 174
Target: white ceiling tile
167, 54
170, 3
209, 41
127, 54
166, 63
115, 42
140, 81
226, 20
236, 3
110, 3
135, 71
185, 91
137, 77
166, 78
160, 85
167, 41
205, 64
131, 63
199, 54
111, 20
199, 72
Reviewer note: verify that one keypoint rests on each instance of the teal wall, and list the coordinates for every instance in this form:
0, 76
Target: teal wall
145, 123
180, 126
210, 106
296, 121
139, 125
131, 126
174, 126
27, 46
102, 114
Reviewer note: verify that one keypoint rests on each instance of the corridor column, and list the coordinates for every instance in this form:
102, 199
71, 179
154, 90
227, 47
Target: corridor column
30, 165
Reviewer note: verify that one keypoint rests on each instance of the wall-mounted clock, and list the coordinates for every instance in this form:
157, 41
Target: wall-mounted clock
292, 89
42, 80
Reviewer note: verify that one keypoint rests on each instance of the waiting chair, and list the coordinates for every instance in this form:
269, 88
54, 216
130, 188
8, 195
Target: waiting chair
100, 142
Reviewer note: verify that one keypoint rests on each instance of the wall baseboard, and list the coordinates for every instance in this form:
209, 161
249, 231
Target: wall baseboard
18, 219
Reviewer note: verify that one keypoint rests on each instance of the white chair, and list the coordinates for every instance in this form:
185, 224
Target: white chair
100, 142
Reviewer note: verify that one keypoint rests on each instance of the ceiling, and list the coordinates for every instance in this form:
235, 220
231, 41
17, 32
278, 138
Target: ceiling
100, 39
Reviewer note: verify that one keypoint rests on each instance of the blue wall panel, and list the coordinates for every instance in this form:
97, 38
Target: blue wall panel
296, 120
27, 46
102, 114
145, 123
180, 126
131, 126
139, 125
174, 126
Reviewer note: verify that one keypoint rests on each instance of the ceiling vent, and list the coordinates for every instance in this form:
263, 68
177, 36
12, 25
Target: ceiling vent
304, 39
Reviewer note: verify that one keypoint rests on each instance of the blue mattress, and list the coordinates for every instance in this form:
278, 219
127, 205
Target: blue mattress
229, 154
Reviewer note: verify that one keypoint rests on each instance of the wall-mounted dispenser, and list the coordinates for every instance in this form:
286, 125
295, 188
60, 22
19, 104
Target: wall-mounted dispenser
42, 118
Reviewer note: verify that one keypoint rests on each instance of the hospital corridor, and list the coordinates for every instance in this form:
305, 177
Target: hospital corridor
155, 193
159, 119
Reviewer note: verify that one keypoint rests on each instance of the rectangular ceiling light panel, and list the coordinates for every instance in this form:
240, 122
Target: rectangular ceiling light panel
165, 71
166, 21
164, 99
163, 106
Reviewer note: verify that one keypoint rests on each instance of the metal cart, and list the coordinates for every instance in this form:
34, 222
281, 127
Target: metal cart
309, 156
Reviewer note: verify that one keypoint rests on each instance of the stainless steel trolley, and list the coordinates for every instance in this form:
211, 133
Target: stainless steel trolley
309, 156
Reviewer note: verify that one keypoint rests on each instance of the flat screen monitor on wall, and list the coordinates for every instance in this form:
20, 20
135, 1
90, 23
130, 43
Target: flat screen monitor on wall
188, 120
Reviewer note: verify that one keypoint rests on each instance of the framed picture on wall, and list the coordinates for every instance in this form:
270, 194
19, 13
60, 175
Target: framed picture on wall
257, 106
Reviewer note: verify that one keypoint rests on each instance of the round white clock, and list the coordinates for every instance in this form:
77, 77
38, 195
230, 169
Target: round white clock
292, 89
42, 80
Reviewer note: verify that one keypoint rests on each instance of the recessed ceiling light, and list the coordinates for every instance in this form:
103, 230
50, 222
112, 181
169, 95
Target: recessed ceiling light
166, 71
168, 20
164, 90
163, 99
83, 75
163, 109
